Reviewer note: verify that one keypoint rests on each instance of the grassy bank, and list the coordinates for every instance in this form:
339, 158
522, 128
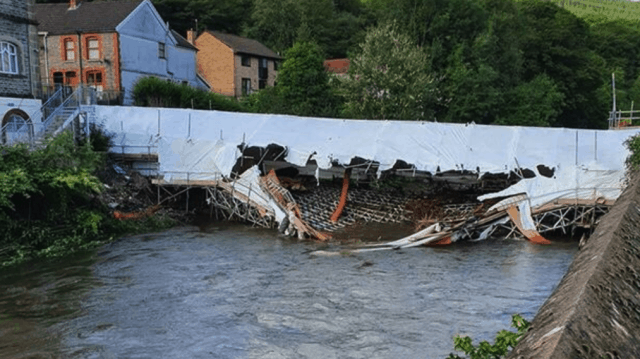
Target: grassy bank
52, 201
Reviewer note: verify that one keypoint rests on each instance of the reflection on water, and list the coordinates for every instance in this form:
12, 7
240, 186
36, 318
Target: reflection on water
234, 292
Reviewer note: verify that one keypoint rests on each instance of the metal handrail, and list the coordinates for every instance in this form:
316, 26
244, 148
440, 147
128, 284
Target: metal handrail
616, 118
42, 108
67, 102
34, 131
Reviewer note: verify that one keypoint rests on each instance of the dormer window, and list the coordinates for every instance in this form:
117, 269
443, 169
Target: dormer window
93, 48
8, 58
69, 50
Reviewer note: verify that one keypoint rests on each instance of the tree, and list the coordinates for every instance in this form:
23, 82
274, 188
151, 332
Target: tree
479, 72
556, 43
389, 78
618, 43
335, 26
274, 23
224, 15
534, 103
303, 84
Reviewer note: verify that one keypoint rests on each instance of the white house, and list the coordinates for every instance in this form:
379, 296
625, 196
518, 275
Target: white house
149, 48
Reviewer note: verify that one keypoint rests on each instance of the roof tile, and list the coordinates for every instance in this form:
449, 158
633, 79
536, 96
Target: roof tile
97, 16
244, 45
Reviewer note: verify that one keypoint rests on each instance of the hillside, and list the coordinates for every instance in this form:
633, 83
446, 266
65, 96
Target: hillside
596, 11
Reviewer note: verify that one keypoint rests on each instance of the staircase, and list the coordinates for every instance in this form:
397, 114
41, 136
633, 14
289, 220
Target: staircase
58, 113
67, 113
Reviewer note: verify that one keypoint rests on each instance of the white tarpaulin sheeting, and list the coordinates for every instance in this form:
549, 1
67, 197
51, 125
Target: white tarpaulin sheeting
588, 164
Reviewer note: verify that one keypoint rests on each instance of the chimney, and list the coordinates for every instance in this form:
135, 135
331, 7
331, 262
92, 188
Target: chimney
72, 5
191, 36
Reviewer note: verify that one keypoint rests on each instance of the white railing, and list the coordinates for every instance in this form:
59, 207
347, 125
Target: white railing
621, 119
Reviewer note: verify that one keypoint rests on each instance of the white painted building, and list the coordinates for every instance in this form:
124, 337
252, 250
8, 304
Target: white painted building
149, 48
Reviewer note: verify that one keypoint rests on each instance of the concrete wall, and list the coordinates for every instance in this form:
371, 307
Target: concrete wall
29, 109
17, 27
595, 310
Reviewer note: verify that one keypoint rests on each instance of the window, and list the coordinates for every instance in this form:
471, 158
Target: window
16, 122
70, 50
246, 86
263, 72
8, 58
262, 84
161, 51
93, 48
246, 60
94, 79
58, 78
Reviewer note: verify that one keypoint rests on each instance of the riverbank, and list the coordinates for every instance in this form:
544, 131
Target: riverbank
60, 198
593, 313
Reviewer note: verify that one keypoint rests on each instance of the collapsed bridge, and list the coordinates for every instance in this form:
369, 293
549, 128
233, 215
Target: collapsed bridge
466, 181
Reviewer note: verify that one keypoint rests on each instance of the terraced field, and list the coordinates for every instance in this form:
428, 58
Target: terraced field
603, 10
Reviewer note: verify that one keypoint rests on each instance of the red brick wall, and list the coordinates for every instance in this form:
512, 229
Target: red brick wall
216, 64
107, 63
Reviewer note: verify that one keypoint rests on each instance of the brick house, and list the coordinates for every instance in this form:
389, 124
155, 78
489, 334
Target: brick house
109, 45
235, 65
19, 75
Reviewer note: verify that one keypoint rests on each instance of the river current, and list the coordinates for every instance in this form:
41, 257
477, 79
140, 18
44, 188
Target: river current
231, 291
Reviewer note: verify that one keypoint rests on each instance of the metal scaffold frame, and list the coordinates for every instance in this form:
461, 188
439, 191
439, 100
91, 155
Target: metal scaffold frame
221, 196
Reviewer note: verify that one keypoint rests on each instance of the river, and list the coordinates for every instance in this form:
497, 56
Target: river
231, 291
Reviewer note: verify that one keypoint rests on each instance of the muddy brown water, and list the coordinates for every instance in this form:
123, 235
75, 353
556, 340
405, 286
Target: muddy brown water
231, 291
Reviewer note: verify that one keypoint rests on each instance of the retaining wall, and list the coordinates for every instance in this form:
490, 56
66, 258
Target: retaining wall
595, 310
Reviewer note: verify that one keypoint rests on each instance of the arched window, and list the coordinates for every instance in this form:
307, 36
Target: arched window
93, 48
8, 58
16, 122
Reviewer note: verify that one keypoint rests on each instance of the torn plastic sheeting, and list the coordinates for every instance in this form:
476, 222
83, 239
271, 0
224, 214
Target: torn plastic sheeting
581, 184
249, 185
525, 216
485, 234
495, 149
195, 158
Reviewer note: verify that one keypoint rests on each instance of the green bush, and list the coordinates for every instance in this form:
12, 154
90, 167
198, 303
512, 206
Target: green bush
633, 144
155, 92
505, 341
49, 205
99, 138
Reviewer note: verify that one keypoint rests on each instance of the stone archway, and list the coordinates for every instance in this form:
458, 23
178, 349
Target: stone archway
15, 118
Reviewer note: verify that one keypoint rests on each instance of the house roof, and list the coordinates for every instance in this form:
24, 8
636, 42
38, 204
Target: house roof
182, 42
244, 45
337, 66
97, 16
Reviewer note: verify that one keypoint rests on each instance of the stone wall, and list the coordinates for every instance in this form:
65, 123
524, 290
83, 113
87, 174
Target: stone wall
17, 27
595, 310
251, 72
